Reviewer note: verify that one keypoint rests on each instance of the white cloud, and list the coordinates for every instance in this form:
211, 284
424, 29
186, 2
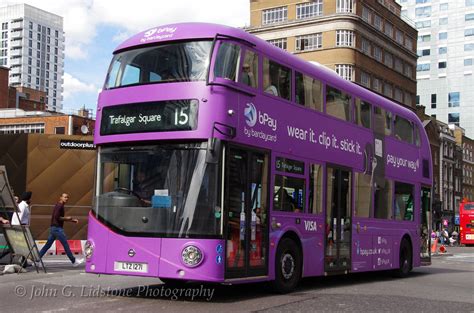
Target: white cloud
73, 85
82, 17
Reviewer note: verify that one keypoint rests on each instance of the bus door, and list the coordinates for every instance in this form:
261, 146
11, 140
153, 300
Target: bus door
338, 220
425, 225
246, 198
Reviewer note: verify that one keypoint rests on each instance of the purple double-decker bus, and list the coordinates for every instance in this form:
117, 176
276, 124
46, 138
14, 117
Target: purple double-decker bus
222, 158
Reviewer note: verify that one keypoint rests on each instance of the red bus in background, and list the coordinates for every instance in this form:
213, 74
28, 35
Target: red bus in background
466, 219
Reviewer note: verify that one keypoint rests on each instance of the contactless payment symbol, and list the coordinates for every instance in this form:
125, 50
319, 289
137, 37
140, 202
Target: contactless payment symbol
250, 113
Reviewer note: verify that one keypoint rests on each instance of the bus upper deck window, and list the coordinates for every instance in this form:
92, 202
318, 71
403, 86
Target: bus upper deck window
227, 61
403, 129
276, 79
308, 92
249, 73
338, 103
363, 112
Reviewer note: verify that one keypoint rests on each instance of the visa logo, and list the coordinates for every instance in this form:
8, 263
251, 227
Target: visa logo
310, 226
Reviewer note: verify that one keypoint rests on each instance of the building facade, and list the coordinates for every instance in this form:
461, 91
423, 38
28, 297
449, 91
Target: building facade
446, 58
468, 168
364, 41
32, 46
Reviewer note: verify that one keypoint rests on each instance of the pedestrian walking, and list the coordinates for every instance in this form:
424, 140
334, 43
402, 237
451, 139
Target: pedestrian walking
57, 232
23, 216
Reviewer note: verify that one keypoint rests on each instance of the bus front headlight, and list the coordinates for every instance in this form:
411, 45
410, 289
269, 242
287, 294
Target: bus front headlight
88, 249
192, 256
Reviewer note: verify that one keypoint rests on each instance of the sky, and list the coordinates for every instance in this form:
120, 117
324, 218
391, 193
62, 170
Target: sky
94, 28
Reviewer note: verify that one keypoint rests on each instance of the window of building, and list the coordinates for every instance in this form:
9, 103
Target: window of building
422, 1
308, 92
443, 36
22, 128
378, 22
409, 43
403, 129
388, 30
454, 99
289, 194
424, 38
383, 200
344, 38
423, 12
309, 42
443, 21
423, 24
365, 45
378, 53
469, 3
423, 52
398, 94
365, 79
399, 36
433, 101
453, 118
276, 79
442, 64
363, 113
469, 47
423, 67
338, 103
363, 195
408, 70
469, 17
316, 189
388, 59
344, 6
345, 71
387, 89
274, 15
280, 43
442, 50
403, 203
376, 84
467, 62
366, 14
309, 9
60, 130
469, 32
398, 65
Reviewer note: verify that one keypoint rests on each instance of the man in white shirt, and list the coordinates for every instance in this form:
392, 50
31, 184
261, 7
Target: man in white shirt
23, 210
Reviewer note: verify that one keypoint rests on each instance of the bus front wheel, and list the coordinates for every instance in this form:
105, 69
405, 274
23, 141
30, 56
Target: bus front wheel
287, 266
406, 259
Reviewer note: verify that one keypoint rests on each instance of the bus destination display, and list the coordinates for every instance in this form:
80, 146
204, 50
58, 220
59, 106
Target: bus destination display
149, 117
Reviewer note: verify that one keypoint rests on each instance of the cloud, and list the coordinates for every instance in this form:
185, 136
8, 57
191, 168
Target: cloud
83, 17
73, 85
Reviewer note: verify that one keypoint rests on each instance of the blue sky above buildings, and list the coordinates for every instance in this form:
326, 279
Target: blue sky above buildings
94, 28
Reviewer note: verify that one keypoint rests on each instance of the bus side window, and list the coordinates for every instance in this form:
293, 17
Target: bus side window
388, 123
417, 136
227, 61
276, 79
363, 195
403, 202
308, 92
363, 112
316, 189
289, 194
403, 129
383, 200
338, 103
249, 73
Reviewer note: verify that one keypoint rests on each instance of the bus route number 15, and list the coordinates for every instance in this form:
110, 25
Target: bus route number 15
180, 116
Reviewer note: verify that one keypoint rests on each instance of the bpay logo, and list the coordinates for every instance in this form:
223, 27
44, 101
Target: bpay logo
250, 113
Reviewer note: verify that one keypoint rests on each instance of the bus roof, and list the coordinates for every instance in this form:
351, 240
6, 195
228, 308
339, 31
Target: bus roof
189, 31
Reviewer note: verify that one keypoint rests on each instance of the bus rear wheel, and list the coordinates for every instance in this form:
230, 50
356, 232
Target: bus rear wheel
287, 266
406, 259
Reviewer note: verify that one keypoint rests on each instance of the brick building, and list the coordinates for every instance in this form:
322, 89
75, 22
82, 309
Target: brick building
19, 97
365, 41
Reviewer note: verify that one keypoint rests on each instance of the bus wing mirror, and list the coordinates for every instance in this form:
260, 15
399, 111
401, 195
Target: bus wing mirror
213, 148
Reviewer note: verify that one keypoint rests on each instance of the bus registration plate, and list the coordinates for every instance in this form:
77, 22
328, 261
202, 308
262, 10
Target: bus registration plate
131, 267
